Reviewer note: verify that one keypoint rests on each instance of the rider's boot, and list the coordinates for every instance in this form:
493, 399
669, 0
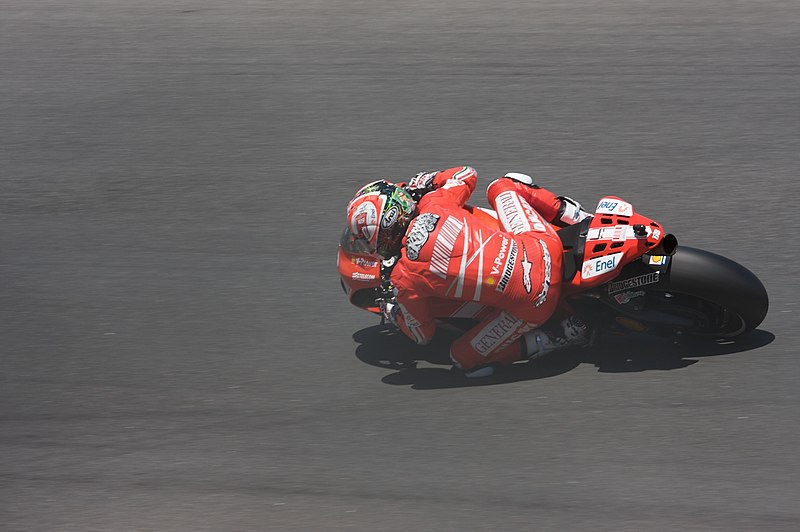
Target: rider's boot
570, 212
571, 332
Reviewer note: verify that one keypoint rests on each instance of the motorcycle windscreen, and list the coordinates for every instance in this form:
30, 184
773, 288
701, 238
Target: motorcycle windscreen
359, 270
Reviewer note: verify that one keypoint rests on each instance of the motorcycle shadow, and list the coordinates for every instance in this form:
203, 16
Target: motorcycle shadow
638, 352
384, 347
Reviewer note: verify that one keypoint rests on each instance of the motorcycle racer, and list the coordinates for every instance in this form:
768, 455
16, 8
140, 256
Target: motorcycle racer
440, 249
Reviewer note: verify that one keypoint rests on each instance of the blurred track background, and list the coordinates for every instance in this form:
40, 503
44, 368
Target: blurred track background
176, 352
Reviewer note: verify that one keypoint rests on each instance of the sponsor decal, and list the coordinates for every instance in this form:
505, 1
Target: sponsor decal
534, 218
443, 246
422, 226
548, 266
390, 217
633, 282
600, 265
490, 281
364, 263
511, 214
508, 269
616, 234
525, 327
358, 276
497, 264
495, 333
625, 297
403, 199
657, 260
656, 234
614, 206
526, 270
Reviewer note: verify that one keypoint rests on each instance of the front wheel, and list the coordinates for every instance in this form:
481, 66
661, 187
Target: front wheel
708, 295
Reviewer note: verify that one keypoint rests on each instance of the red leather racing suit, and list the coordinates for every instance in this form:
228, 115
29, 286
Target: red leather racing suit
450, 253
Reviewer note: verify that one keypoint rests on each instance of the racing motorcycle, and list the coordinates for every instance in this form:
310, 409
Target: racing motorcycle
621, 271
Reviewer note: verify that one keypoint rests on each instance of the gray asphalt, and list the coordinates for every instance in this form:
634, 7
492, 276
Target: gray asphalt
177, 354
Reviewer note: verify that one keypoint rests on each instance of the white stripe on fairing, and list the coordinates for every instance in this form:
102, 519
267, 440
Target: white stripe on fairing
470, 261
468, 310
443, 247
477, 295
463, 269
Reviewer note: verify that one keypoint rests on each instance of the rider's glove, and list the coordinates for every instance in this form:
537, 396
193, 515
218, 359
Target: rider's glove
571, 211
420, 184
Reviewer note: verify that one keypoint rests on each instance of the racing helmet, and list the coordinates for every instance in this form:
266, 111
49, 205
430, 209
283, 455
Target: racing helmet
377, 219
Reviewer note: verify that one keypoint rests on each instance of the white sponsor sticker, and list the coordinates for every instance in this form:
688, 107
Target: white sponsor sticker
421, 227
600, 265
511, 214
495, 333
364, 263
616, 233
614, 206
548, 266
498, 262
358, 276
508, 270
526, 270
390, 217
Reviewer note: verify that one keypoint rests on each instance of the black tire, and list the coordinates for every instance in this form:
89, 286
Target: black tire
722, 298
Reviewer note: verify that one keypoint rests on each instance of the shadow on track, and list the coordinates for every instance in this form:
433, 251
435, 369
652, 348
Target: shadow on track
384, 347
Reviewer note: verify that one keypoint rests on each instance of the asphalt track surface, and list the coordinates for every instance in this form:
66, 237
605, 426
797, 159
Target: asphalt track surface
177, 353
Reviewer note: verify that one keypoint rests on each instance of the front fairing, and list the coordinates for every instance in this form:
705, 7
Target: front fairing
359, 271
616, 236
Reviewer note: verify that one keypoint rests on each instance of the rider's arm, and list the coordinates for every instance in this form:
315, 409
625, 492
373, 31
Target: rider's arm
413, 315
455, 185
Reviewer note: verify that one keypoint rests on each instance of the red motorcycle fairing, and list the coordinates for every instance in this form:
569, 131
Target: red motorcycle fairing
616, 236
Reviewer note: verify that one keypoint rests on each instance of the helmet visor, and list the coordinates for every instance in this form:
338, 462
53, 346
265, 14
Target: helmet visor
355, 243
